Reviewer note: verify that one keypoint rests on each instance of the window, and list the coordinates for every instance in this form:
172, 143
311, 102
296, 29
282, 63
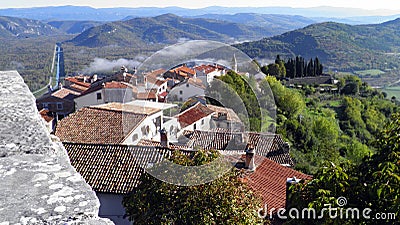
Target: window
194, 127
98, 96
59, 106
181, 92
46, 105
187, 85
135, 137
202, 122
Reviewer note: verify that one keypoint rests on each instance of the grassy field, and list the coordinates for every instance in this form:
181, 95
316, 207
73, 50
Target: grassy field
392, 91
372, 72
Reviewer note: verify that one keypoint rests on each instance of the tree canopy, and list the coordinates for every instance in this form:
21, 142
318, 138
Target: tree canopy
226, 200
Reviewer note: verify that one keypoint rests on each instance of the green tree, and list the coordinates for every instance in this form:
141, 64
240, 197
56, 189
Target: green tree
226, 200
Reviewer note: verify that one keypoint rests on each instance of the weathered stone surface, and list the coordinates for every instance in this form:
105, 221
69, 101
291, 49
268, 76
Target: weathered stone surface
38, 184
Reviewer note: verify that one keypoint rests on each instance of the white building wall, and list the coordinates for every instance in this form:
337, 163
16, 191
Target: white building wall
172, 128
202, 124
89, 99
146, 130
118, 95
107, 95
111, 207
184, 91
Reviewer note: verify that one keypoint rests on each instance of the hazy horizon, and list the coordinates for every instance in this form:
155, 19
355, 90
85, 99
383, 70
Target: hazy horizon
382, 7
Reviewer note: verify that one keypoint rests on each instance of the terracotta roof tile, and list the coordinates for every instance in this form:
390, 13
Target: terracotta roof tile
193, 114
97, 125
269, 179
113, 168
45, 114
115, 84
76, 81
65, 93
146, 95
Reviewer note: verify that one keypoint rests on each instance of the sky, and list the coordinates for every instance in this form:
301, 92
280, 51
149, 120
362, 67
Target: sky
363, 4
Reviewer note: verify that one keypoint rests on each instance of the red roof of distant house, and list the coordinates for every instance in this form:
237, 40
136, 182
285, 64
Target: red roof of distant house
269, 179
98, 126
146, 95
76, 81
193, 114
115, 84
183, 71
45, 114
65, 93
206, 68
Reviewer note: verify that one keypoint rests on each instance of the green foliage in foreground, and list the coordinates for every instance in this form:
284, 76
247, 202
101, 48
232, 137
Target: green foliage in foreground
373, 184
225, 200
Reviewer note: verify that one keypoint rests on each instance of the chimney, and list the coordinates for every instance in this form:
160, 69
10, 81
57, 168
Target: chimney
289, 182
286, 147
249, 162
94, 77
164, 138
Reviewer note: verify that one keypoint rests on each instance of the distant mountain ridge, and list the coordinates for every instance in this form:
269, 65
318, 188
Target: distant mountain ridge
74, 27
85, 13
337, 45
167, 29
11, 27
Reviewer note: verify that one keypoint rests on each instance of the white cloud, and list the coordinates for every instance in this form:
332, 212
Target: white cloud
105, 65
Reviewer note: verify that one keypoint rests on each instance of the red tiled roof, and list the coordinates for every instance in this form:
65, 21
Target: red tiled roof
44, 113
76, 81
152, 77
65, 93
97, 125
193, 114
206, 68
113, 168
183, 71
269, 179
115, 84
78, 87
146, 95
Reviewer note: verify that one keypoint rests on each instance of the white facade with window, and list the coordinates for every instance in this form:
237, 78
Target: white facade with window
184, 91
103, 96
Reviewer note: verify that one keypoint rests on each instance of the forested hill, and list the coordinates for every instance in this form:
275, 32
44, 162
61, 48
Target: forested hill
11, 27
167, 29
337, 45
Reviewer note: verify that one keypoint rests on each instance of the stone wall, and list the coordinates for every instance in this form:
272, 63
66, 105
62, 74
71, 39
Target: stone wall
38, 185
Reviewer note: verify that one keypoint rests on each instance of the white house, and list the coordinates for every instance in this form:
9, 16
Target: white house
112, 123
209, 71
112, 173
113, 91
197, 117
186, 89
